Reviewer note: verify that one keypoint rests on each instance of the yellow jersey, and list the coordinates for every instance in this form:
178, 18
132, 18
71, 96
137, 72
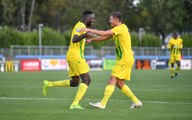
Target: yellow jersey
175, 46
123, 43
76, 50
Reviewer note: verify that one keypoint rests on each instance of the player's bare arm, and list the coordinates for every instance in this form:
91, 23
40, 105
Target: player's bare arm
99, 32
77, 38
97, 39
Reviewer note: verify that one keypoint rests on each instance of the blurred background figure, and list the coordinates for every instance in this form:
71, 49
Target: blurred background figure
175, 46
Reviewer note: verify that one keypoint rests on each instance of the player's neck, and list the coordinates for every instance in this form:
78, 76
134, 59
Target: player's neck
119, 23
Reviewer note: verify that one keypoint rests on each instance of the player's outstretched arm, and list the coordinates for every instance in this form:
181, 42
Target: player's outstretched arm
97, 39
99, 32
77, 38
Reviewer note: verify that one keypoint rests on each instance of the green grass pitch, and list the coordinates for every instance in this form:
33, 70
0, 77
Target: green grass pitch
163, 99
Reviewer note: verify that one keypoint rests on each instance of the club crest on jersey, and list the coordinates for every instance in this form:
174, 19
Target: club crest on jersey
78, 30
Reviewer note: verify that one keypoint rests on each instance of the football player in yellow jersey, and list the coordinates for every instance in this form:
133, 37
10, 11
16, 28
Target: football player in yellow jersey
175, 46
124, 57
78, 68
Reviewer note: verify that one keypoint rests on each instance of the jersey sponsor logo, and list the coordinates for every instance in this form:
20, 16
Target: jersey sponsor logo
175, 46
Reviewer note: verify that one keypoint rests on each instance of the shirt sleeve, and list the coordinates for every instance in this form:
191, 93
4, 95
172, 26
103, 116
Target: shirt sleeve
115, 30
78, 30
181, 45
169, 44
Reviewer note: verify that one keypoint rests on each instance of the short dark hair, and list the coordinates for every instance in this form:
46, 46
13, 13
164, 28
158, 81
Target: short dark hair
175, 34
117, 15
86, 13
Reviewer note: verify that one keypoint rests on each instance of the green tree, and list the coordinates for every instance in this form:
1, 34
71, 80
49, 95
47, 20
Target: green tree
165, 16
155, 16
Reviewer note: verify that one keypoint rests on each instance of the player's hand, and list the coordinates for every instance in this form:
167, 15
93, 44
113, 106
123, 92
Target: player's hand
90, 35
89, 40
84, 30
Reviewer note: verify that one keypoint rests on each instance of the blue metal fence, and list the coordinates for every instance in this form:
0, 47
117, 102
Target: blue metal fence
20, 52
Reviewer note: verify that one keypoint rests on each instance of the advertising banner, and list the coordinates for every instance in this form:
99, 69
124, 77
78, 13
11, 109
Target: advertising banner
186, 64
159, 64
108, 64
2, 63
95, 64
53, 64
30, 65
143, 64
9, 66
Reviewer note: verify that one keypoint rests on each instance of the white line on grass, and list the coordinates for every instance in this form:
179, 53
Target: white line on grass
62, 99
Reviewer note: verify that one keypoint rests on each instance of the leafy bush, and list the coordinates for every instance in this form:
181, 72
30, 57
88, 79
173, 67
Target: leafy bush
134, 39
52, 37
10, 36
148, 40
67, 36
151, 40
187, 40
5, 37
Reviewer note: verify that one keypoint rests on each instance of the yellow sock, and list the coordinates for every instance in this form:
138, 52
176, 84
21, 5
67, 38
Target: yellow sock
80, 93
109, 89
62, 83
172, 71
127, 91
177, 69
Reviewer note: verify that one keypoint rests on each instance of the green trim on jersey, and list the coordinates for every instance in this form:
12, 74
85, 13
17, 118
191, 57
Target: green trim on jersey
175, 51
81, 51
175, 46
76, 50
118, 50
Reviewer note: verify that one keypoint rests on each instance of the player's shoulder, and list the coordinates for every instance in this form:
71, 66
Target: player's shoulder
171, 40
80, 24
180, 39
121, 27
